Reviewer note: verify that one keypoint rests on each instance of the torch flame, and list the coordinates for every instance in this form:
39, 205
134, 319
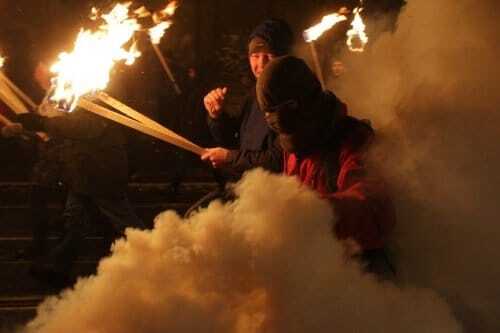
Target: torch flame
157, 32
142, 12
94, 14
87, 68
166, 12
170, 9
327, 22
357, 33
161, 18
2, 61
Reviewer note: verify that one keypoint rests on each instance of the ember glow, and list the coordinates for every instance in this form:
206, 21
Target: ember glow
356, 36
327, 22
87, 68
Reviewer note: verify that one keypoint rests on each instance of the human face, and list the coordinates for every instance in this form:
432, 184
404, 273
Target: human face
338, 68
258, 61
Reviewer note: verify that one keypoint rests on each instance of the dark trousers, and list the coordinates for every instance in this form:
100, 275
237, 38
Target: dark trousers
39, 217
78, 214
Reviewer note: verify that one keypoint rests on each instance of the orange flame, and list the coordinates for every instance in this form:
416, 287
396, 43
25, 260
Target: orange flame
2, 61
327, 22
356, 37
142, 12
170, 9
163, 22
157, 32
94, 14
87, 68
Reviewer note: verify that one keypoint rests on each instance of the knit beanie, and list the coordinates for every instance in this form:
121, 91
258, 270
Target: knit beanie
273, 36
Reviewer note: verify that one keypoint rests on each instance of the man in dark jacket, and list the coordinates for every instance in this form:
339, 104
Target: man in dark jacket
94, 169
247, 142
326, 150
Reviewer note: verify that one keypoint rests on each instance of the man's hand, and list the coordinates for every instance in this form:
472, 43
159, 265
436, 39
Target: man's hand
11, 130
214, 101
216, 156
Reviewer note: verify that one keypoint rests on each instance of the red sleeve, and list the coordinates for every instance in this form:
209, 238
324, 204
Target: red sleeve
363, 207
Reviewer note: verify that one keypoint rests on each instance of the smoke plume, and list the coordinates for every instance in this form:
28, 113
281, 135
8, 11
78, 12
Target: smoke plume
266, 262
431, 89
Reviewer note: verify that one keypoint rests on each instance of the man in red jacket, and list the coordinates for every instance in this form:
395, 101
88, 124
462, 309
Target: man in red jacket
326, 150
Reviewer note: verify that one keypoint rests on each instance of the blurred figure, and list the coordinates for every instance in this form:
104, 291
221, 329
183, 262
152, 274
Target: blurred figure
90, 159
93, 166
337, 68
337, 72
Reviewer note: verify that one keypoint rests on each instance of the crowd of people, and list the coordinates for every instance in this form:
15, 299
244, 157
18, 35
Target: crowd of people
287, 124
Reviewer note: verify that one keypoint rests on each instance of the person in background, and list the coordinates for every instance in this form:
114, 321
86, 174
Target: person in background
337, 72
326, 150
93, 167
245, 142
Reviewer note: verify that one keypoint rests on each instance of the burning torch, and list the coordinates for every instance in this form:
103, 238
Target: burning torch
83, 74
314, 32
356, 36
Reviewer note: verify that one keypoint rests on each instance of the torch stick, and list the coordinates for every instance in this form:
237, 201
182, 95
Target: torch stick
18, 91
319, 73
166, 68
106, 113
11, 99
116, 104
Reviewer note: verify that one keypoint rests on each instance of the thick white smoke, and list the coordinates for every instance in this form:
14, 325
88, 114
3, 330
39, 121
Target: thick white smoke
431, 88
266, 262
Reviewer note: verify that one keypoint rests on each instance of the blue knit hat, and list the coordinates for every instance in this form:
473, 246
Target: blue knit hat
273, 35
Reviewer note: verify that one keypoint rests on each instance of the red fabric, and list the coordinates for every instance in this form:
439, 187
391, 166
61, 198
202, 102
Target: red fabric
362, 206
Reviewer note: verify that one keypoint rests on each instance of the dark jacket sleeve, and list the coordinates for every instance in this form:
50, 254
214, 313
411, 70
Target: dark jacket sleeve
269, 158
79, 125
224, 130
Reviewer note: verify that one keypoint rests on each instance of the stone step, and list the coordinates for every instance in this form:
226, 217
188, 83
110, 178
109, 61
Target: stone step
16, 193
17, 280
24, 302
16, 221
20, 293
14, 315
15, 248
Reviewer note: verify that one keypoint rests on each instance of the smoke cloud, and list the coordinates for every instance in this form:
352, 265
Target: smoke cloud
266, 262
431, 89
